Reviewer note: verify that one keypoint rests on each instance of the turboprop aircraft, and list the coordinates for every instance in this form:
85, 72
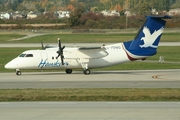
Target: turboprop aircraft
144, 45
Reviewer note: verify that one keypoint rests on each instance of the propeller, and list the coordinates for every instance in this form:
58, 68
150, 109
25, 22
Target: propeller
60, 52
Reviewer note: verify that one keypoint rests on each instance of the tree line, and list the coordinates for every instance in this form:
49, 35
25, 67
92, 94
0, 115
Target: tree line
94, 5
92, 20
84, 15
87, 20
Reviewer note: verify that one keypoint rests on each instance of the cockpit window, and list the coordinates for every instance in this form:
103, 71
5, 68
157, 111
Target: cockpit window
22, 55
26, 55
29, 55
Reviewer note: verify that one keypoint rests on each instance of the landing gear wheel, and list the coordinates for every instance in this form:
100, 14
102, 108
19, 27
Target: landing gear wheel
18, 73
68, 71
87, 72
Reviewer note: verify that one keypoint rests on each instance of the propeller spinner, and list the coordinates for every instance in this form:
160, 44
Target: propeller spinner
60, 52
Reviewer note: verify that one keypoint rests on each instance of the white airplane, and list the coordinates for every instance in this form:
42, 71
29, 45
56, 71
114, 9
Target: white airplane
144, 45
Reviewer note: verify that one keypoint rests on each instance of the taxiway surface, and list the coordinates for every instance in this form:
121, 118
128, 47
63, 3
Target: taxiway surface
74, 44
89, 110
98, 79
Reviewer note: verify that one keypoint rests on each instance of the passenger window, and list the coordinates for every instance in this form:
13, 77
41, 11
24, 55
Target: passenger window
29, 55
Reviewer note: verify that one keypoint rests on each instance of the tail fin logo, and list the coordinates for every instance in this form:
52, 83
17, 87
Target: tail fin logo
149, 39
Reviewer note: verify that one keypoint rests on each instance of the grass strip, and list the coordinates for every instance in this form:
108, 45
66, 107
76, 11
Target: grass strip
83, 38
91, 94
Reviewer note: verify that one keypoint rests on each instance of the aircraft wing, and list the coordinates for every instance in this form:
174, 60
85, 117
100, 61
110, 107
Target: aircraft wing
92, 52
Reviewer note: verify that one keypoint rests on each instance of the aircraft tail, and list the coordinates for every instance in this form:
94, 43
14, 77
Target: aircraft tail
147, 39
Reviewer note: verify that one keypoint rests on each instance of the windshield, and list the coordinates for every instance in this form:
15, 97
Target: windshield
26, 55
22, 55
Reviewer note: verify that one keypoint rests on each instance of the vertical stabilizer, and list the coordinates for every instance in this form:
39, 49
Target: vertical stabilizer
150, 33
147, 39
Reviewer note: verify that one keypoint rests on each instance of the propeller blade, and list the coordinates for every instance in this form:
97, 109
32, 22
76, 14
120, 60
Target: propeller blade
62, 59
60, 51
59, 42
63, 48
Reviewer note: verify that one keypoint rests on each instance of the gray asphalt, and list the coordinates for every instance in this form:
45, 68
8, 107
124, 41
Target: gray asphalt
90, 110
98, 79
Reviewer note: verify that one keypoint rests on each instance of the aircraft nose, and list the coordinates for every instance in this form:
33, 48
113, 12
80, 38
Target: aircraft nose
11, 65
8, 66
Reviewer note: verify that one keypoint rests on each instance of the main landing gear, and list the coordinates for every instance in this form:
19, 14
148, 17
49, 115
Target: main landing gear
68, 71
85, 67
18, 72
87, 71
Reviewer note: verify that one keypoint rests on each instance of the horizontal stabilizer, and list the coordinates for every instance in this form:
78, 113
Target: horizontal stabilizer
163, 16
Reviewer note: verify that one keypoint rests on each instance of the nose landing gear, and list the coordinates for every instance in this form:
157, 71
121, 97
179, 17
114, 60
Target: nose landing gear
18, 72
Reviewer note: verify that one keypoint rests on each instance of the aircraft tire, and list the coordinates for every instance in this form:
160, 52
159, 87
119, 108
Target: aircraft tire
68, 71
87, 72
18, 73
